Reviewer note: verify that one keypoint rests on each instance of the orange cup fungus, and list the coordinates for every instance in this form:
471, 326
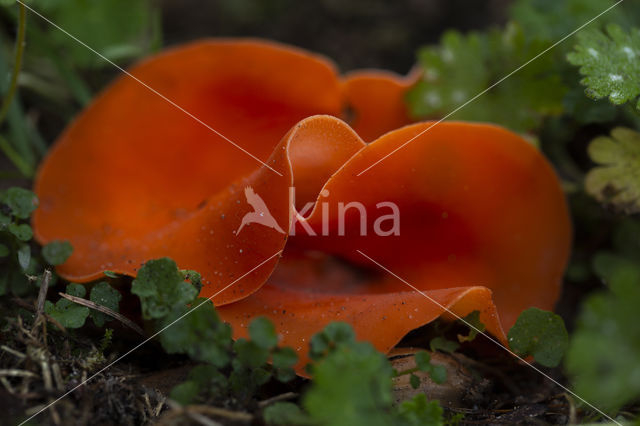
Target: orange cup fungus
470, 214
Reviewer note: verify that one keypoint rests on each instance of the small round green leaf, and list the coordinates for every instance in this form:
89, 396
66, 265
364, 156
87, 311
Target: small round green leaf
21, 202
438, 374
263, 333
22, 231
57, 252
541, 334
414, 381
423, 361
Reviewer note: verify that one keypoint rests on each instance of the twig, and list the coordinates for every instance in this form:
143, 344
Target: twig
282, 397
49, 318
42, 295
13, 352
17, 373
89, 304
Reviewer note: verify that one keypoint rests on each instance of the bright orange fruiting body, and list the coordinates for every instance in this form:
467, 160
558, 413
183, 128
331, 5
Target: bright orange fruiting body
483, 226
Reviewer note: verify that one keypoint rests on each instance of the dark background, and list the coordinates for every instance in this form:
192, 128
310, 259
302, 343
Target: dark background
354, 33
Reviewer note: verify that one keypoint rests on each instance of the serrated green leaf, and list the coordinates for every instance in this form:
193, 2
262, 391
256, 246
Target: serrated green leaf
441, 344
200, 333
609, 63
67, 313
57, 252
462, 67
602, 360
284, 414
419, 412
351, 386
21, 202
541, 334
617, 178
263, 333
21, 231
335, 333
161, 288
105, 295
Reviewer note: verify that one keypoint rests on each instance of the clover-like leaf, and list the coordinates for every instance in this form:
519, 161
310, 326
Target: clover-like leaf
541, 334
105, 295
617, 178
197, 332
21, 202
161, 288
609, 62
419, 411
21, 231
263, 333
67, 313
57, 252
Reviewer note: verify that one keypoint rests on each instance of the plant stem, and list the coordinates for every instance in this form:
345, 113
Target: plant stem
15, 158
6, 103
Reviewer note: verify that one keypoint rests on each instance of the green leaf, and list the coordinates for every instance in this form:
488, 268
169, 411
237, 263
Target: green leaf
284, 414
119, 29
414, 381
57, 252
442, 344
263, 333
161, 288
200, 333
541, 334
475, 326
351, 386
110, 274
419, 412
617, 178
105, 295
609, 63
250, 354
285, 375
4, 250
67, 313
552, 20
22, 231
423, 361
438, 374
462, 67
335, 333
21, 202
284, 357
602, 359
185, 393
24, 256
